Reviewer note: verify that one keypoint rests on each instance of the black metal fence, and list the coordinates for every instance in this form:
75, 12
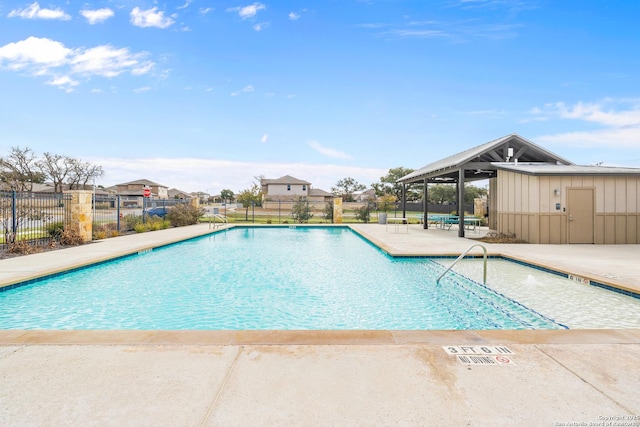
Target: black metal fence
285, 211
35, 218
114, 214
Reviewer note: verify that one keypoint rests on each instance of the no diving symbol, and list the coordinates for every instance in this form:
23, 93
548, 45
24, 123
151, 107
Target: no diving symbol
504, 360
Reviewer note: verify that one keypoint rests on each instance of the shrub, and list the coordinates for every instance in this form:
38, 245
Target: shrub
71, 238
22, 248
300, 211
363, 213
130, 221
99, 235
155, 223
140, 228
55, 229
102, 231
327, 212
181, 215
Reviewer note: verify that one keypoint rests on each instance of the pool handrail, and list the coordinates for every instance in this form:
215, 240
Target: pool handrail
222, 218
462, 255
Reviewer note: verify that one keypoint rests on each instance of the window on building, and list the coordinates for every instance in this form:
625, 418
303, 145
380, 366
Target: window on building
304, 187
288, 187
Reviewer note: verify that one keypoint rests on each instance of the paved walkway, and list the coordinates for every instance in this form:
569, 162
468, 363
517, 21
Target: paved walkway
241, 378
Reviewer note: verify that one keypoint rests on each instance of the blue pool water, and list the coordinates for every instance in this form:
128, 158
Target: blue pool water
264, 278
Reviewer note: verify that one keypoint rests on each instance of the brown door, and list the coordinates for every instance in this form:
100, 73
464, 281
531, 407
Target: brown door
581, 213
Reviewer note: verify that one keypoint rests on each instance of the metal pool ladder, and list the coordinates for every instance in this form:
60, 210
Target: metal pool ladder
484, 277
220, 217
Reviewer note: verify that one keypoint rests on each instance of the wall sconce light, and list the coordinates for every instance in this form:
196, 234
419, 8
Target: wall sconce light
556, 192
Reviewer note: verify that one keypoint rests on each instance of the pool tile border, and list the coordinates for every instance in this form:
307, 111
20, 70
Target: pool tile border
322, 337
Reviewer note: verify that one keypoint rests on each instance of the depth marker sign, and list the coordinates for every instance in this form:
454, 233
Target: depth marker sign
481, 355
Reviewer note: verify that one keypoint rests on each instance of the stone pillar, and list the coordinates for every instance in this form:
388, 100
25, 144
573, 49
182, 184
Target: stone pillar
480, 207
337, 210
79, 207
195, 202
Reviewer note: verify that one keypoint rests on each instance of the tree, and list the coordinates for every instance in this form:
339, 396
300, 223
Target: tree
19, 171
300, 210
388, 185
327, 211
81, 173
56, 167
249, 197
227, 195
386, 202
441, 193
446, 193
346, 187
472, 192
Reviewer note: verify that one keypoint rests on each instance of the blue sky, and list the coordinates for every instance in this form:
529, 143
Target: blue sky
204, 95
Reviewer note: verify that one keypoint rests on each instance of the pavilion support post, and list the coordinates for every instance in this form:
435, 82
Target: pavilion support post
461, 203
425, 193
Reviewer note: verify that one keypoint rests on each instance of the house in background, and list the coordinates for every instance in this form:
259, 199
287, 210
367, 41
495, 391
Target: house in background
284, 188
132, 193
174, 193
365, 196
136, 189
288, 189
318, 195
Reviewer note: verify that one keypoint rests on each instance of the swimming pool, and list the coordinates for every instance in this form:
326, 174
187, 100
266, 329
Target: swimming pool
271, 278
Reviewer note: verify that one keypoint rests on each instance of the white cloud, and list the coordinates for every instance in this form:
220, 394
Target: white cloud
294, 16
45, 57
264, 138
97, 16
618, 123
191, 174
261, 26
34, 11
329, 152
185, 5
246, 12
64, 82
595, 113
38, 53
205, 10
150, 18
142, 89
108, 61
246, 89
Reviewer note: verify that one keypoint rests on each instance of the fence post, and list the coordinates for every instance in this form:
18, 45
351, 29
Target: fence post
14, 214
118, 211
80, 209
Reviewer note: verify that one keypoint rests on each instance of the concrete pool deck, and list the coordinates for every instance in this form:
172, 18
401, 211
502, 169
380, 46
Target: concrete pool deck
324, 377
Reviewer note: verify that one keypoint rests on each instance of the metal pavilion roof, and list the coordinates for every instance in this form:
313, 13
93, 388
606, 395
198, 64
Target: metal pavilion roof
478, 162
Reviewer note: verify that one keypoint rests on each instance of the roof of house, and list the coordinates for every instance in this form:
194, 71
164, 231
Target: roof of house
549, 169
287, 179
143, 182
318, 192
481, 158
172, 192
